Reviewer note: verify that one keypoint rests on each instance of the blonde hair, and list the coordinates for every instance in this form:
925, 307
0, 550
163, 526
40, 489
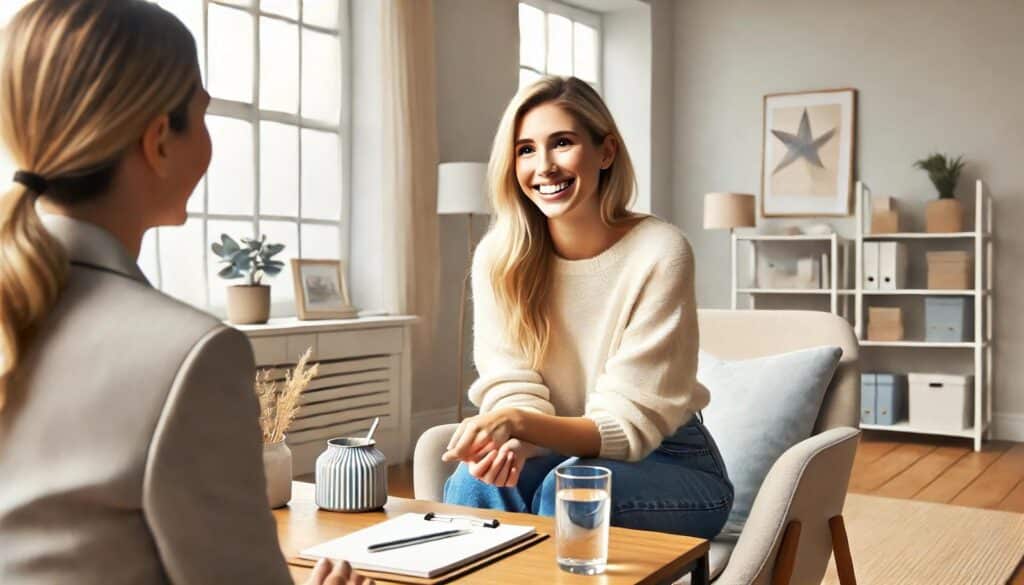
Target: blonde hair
79, 83
522, 264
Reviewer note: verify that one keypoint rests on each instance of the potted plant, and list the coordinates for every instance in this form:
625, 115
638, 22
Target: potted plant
253, 259
945, 214
279, 401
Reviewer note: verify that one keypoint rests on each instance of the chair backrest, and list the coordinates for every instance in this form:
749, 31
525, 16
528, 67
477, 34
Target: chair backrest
748, 334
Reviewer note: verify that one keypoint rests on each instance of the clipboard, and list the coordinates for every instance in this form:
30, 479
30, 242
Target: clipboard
444, 578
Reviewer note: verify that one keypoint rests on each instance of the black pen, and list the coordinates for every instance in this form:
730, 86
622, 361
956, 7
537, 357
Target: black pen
382, 546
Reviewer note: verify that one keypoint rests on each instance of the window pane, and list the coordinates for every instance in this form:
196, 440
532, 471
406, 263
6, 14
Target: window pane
321, 13
559, 45
320, 241
231, 171
289, 8
321, 76
585, 52
282, 294
531, 37
190, 12
527, 76
279, 169
279, 65
237, 2
181, 262
148, 259
321, 175
214, 228
195, 200
231, 53
8, 8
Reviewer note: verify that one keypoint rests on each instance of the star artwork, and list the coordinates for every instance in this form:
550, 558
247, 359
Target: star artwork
805, 151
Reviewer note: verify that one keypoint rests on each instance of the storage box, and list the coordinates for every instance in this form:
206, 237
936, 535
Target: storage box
885, 324
949, 270
941, 402
890, 398
885, 222
947, 319
867, 398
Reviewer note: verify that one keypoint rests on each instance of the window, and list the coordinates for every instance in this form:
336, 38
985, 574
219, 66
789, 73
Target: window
278, 122
557, 39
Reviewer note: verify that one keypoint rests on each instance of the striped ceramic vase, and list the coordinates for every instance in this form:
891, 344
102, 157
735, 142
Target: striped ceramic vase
351, 476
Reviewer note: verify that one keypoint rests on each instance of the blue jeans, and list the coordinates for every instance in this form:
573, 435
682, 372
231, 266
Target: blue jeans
682, 487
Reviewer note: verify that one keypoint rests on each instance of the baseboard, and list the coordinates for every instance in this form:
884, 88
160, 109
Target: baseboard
424, 419
1008, 427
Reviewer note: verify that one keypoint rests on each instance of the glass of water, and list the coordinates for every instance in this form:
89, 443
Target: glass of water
582, 511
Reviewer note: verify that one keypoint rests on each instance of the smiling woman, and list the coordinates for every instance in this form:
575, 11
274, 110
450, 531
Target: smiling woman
585, 330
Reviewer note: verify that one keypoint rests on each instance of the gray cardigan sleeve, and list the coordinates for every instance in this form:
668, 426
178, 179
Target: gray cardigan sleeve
204, 492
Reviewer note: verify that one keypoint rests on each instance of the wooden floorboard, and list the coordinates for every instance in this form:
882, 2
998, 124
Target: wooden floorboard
922, 473
1014, 501
947, 486
867, 477
996, 482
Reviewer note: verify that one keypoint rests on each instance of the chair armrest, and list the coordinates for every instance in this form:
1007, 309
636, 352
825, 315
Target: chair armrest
807, 484
428, 471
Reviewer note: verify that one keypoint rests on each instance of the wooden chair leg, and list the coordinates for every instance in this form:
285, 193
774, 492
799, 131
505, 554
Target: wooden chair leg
841, 549
785, 561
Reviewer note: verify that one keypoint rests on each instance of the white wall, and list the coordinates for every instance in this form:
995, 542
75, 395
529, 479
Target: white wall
932, 75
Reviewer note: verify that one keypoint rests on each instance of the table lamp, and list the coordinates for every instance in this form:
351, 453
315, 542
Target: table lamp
462, 190
729, 211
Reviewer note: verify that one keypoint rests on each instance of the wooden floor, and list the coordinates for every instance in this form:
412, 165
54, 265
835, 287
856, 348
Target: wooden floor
913, 467
947, 471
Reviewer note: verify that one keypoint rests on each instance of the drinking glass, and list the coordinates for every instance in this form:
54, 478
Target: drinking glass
582, 513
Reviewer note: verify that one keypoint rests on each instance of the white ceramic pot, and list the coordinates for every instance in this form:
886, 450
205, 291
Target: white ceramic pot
277, 466
351, 476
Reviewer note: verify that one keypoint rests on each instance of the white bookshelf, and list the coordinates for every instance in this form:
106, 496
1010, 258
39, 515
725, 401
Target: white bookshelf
982, 250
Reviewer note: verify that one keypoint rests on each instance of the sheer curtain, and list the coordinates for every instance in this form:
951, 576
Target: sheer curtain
411, 253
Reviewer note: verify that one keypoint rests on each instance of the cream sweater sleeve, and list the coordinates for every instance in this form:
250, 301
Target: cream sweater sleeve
506, 378
649, 386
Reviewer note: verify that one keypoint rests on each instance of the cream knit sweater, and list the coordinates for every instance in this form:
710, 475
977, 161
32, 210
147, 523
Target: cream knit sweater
623, 346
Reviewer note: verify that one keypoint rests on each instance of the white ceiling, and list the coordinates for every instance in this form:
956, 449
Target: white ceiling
605, 5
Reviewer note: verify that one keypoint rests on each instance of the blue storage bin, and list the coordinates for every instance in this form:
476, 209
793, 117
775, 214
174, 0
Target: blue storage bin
947, 319
890, 398
867, 398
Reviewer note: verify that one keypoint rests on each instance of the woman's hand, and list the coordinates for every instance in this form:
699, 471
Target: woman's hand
502, 467
338, 574
479, 435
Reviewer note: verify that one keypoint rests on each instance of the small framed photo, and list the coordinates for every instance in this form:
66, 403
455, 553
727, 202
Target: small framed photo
808, 145
320, 289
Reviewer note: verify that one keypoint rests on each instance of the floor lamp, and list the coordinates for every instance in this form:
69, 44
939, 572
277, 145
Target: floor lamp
462, 190
729, 211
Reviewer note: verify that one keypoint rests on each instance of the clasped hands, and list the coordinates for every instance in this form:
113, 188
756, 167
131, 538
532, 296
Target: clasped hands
489, 446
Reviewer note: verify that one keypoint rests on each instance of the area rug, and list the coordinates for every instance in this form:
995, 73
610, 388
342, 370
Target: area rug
903, 542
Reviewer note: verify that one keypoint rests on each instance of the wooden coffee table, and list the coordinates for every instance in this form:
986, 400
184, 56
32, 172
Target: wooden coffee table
634, 556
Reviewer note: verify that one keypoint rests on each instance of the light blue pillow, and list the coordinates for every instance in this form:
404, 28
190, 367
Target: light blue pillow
760, 408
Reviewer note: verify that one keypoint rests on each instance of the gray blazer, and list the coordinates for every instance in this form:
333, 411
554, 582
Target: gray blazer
130, 450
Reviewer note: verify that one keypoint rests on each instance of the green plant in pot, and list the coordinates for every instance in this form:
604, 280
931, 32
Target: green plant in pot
945, 214
252, 259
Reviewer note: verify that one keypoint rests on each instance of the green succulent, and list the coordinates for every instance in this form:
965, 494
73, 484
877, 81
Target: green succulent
252, 259
944, 173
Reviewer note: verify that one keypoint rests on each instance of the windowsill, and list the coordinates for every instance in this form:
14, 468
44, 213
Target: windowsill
286, 325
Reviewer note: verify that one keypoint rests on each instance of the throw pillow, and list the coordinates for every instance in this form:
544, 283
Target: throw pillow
760, 408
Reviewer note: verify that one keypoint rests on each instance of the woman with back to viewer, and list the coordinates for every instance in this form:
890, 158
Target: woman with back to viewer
585, 330
129, 445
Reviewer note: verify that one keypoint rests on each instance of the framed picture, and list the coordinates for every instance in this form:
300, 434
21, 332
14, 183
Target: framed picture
320, 289
807, 153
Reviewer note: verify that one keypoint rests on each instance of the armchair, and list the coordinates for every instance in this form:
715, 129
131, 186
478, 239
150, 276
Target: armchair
796, 521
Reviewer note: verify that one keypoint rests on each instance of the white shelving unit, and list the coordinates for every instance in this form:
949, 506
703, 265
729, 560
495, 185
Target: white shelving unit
836, 246
981, 345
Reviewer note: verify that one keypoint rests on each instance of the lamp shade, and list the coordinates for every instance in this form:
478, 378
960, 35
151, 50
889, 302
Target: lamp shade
728, 210
462, 188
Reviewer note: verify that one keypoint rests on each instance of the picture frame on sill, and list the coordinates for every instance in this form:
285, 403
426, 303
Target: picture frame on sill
321, 291
807, 153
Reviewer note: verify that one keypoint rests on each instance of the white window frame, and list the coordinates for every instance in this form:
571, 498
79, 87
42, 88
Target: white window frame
575, 14
251, 113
